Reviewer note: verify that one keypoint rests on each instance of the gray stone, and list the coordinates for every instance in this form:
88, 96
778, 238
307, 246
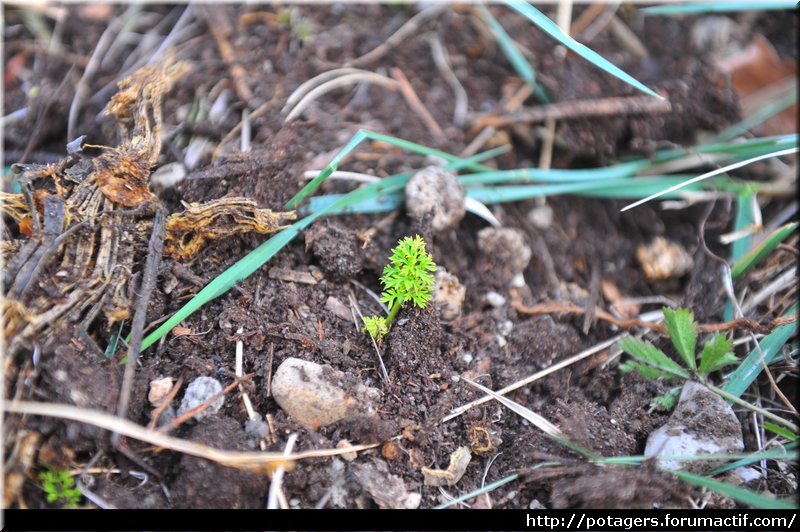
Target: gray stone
198, 392
702, 423
437, 191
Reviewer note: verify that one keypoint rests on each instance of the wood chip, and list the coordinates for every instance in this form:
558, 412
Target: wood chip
459, 460
283, 274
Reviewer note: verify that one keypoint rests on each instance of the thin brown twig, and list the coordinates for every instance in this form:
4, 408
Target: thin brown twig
565, 307
189, 414
262, 109
624, 105
167, 400
414, 102
220, 32
406, 30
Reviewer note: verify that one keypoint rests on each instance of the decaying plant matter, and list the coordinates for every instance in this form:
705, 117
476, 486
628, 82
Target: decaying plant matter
93, 218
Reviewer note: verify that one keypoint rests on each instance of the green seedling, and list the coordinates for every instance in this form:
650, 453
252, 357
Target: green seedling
60, 487
653, 363
405, 279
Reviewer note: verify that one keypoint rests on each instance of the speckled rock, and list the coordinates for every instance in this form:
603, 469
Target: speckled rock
702, 423
506, 250
448, 294
198, 392
437, 191
316, 396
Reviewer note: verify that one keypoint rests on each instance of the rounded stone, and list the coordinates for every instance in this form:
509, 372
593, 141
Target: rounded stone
435, 191
198, 392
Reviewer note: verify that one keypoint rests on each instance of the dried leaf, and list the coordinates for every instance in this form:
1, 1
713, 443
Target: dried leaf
459, 460
188, 232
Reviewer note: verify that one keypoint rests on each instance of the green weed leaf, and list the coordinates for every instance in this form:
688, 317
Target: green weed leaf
667, 400
652, 356
683, 331
717, 353
375, 326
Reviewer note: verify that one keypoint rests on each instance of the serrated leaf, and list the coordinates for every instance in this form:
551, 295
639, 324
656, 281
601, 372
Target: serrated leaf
648, 372
716, 354
667, 400
682, 330
652, 356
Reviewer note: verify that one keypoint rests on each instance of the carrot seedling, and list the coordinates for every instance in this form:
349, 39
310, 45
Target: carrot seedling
405, 279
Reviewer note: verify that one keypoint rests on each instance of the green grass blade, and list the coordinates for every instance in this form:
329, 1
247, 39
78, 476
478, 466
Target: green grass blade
736, 493
619, 171
682, 331
771, 345
487, 488
781, 431
114, 341
745, 217
359, 137
763, 249
513, 55
331, 167
717, 7
552, 29
771, 454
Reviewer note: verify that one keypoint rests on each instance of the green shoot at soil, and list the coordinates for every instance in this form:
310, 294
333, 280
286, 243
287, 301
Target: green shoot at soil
405, 279
60, 487
652, 363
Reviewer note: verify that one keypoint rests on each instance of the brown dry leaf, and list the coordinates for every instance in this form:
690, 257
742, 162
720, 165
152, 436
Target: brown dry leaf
187, 232
123, 173
459, 460
756, 69
626, 309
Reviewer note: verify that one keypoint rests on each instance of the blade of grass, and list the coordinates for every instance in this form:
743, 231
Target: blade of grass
716, 7
360, 136
711, 174
741, 378
513, 55
552, 29
486, 489
757, 254
736, 493
771, 454
781, 431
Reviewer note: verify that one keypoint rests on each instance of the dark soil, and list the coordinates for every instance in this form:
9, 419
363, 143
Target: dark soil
588, 241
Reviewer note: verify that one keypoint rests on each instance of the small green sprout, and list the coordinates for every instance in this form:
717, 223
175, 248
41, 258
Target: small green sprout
652, 363
405, 279
60, 486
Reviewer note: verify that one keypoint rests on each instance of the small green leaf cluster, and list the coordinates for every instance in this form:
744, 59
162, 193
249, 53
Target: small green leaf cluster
60, 486
406, 278
653, 363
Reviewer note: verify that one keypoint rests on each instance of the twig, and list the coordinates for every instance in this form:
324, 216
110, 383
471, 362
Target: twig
440, 58
189, 414
217, 24
625, 105
565, 307
536, 376
414, 102
167, 400
342, 81
155, 249
82, 88
275, 488
406, 30
260, 462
